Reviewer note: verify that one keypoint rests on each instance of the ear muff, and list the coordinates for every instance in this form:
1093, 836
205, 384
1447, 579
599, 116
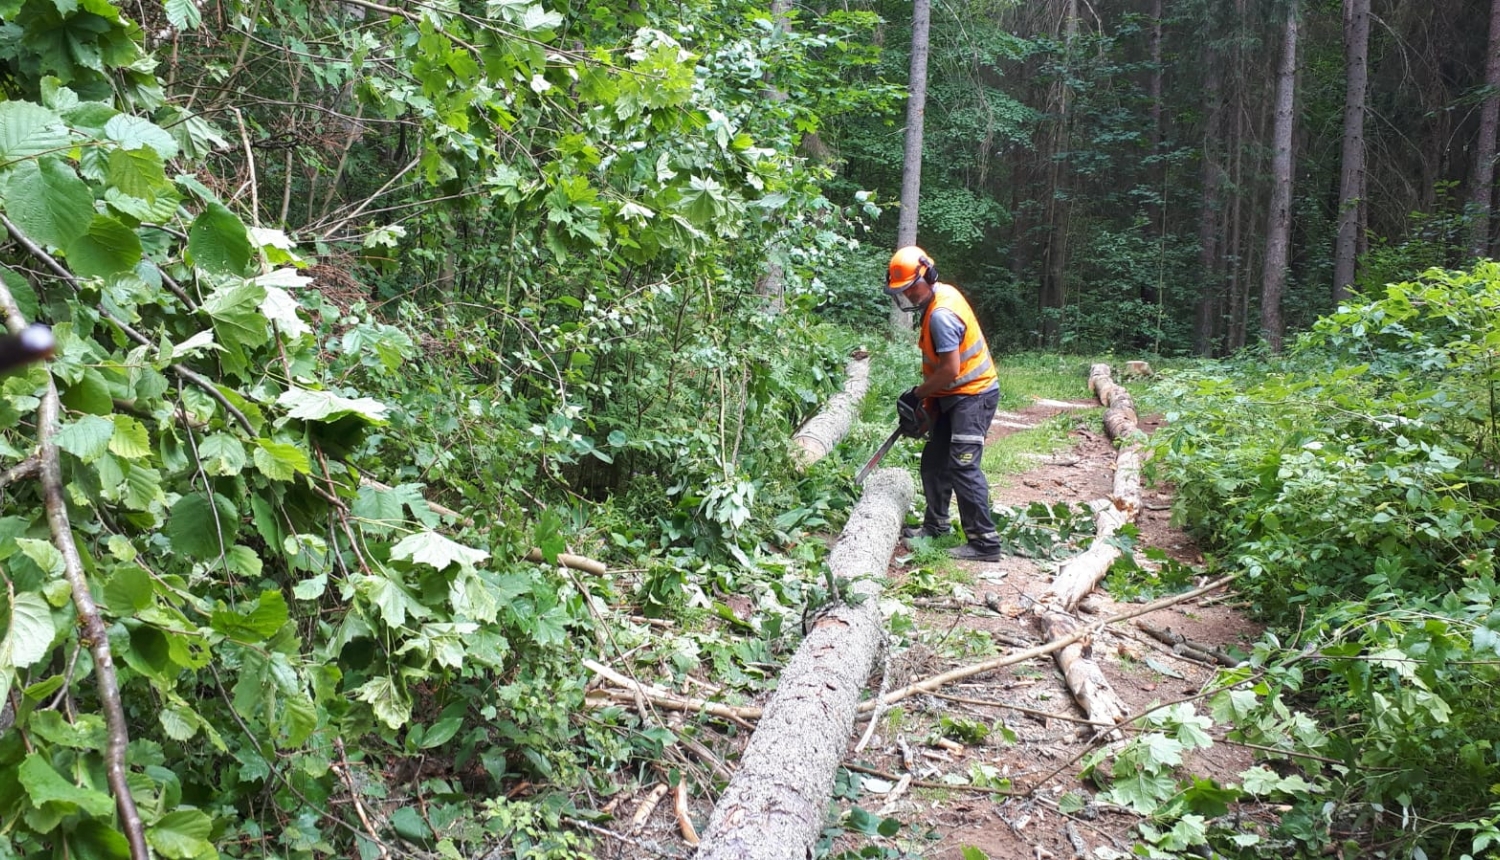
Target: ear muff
929, 271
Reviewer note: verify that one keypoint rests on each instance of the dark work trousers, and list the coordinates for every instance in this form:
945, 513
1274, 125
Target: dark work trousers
951, 465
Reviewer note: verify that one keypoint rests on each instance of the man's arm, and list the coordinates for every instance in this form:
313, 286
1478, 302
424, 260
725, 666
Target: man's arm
942, 376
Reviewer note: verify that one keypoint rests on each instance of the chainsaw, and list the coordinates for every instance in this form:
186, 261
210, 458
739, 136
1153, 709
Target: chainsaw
913, 418
885, 447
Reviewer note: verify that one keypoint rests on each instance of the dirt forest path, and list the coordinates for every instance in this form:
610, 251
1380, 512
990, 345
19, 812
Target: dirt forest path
912, 770
1030, 699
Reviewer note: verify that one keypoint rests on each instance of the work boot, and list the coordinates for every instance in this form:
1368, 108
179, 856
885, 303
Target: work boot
968, 552
922, 531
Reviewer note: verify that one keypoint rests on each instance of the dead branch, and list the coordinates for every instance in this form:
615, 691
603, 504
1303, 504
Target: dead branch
684, 823
991, 703
359, 806
664, 699
650, 847
648, 806
1184, 646
922, 783
576, 562
929, 684
715, 765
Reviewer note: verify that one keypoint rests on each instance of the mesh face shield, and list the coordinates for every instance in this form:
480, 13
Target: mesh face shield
905, 304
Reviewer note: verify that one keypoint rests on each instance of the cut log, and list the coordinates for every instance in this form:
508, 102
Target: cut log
1119, 409
1053, 611
1081, 573
774, 806
1099, 701
814, 439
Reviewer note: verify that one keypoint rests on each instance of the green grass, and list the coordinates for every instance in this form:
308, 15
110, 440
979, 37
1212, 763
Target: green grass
1020, 451
932, 567
1027, 376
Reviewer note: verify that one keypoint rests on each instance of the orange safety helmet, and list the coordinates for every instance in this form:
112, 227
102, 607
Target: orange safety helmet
907, 265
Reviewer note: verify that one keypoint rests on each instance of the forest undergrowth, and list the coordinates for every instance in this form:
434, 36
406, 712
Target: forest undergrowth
286, 514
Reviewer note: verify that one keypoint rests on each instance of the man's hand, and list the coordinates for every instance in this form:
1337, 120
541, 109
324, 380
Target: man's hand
912, 418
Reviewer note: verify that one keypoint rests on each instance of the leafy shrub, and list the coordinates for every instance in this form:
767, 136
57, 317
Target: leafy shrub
1353, 485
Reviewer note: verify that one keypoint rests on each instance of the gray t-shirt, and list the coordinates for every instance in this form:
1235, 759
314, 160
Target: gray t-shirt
947, 330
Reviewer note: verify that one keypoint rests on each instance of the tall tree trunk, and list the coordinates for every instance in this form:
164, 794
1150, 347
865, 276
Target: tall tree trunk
1278, 231
1239, 243
1151, 289
1210, 208
1352, 169
1054, 292
916, 112
1484, 149
771, 285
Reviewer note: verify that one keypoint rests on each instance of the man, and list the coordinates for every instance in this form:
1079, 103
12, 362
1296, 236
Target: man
960, 390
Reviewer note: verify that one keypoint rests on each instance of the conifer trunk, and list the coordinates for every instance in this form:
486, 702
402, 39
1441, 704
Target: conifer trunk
1278, 231
911, 168
1484, 149
1352, 170
773, 807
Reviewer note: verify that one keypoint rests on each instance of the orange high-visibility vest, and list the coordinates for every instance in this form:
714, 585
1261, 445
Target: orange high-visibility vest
976, 370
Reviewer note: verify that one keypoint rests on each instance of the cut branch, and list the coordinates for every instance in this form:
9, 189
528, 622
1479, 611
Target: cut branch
575, 562
93, 633
634, 691
28, 468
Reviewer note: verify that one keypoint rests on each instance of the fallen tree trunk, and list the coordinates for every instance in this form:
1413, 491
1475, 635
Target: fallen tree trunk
1053, 611
774, 806
814, 439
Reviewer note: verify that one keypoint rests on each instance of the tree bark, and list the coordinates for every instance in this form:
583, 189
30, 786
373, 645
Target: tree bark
1054, 291
1157, 210
774, 806
911, 168
1278, 231
815, 438
771, 285
1484, 150
1210, 208
1352, 169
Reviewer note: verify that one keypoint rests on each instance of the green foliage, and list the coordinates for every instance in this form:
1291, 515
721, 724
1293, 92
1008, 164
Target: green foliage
247, 463
1352, 485
1040, 530
856, 824
1129, 580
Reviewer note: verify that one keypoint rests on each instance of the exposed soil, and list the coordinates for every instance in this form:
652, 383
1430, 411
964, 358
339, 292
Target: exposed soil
1030, 698
941, 812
